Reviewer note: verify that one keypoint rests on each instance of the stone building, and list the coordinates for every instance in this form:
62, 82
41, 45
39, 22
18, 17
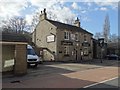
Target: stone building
62, 42
14, 53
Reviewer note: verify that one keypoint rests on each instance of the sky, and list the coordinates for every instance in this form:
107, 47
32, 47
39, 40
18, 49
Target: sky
91, 14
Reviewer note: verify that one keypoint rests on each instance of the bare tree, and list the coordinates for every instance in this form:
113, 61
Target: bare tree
21, 24
35, 21
69, 21
52, 16
15, 24
114, 38
98, 35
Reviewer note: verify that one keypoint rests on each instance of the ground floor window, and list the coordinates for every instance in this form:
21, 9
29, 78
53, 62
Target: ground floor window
66, 51
86, 51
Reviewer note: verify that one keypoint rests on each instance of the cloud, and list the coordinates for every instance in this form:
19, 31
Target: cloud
110, 3
95, 9
11, 8
75, 6
83, 11
45, 3
85, 19
89, 4
91, 1
28, 19
103, 9
62, 13
56, 9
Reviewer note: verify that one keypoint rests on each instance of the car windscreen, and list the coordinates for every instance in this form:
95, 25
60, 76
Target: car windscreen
31, 52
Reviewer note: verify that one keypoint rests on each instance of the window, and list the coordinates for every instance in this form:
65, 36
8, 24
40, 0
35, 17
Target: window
76, 37
86, 51
66, 35
85, 38
31, 52
73, 37
66, 51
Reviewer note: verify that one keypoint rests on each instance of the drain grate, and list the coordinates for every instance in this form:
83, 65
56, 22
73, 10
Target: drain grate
16, 81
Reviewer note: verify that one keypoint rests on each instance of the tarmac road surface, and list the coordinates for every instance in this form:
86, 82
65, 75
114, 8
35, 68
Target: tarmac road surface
69, 75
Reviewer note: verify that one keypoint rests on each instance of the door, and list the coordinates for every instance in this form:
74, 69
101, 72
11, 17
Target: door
76, 55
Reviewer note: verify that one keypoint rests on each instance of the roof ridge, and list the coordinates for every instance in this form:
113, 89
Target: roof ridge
58, 24
63, 23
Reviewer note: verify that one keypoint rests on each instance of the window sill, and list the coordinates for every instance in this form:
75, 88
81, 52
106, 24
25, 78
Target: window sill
66, 39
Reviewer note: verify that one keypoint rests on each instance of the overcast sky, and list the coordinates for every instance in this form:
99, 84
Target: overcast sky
91, 14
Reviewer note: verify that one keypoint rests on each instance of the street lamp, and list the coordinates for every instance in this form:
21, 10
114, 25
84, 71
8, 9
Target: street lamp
101, 44
76, 51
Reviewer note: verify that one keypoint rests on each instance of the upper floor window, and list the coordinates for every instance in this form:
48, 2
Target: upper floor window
72, 36
85, 38
66, 35
76, 37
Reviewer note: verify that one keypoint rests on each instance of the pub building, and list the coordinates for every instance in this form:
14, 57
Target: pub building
62, 42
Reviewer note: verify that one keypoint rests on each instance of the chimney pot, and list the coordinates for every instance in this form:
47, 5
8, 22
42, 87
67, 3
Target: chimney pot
43, 15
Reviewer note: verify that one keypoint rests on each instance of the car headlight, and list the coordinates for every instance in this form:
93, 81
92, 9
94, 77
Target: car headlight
38, 59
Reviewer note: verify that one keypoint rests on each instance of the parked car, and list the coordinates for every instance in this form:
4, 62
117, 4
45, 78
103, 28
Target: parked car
112, 57
32, 57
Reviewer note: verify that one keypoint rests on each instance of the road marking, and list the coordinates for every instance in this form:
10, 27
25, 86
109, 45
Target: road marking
100, 82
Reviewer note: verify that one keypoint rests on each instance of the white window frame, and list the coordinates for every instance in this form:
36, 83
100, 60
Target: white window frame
86, 51
72, 36
66, 50
67, 35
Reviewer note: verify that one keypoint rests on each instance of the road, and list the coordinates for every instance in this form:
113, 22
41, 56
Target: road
110, 83
64, 75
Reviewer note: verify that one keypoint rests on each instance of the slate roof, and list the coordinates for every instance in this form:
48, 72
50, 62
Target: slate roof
13, 37
67, 26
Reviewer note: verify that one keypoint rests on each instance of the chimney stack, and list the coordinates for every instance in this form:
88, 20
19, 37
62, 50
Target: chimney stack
43, 15
77, 22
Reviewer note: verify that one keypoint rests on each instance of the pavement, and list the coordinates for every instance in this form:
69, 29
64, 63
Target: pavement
65, 75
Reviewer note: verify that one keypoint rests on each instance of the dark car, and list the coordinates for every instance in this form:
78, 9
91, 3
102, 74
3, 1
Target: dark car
112, 57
